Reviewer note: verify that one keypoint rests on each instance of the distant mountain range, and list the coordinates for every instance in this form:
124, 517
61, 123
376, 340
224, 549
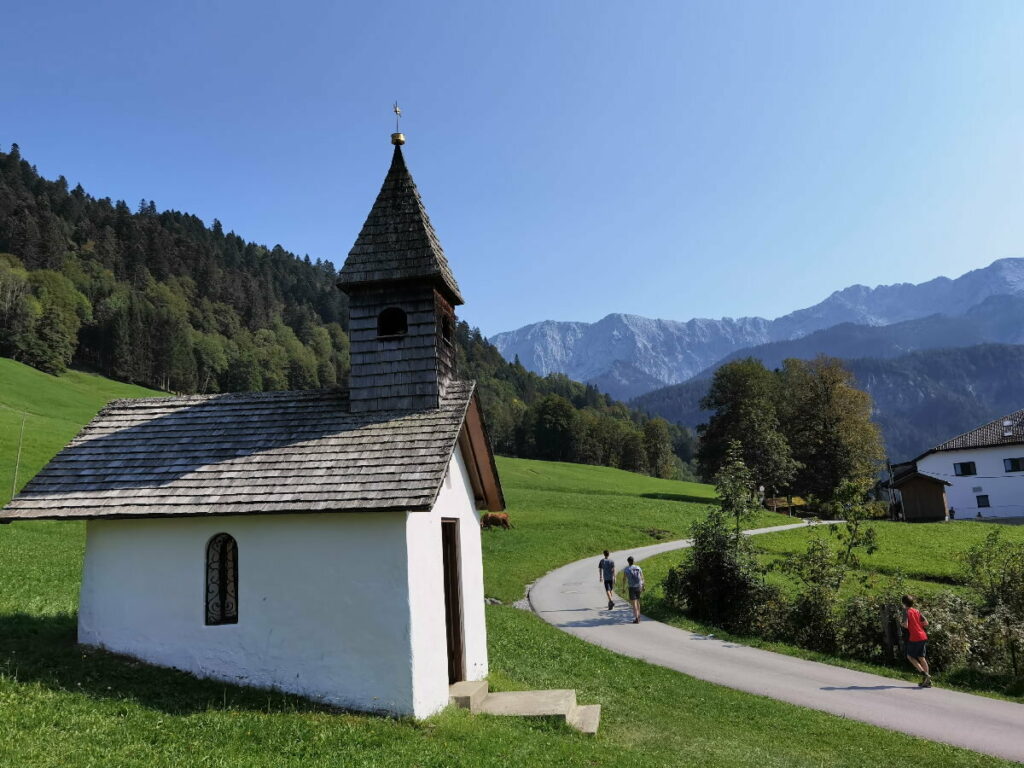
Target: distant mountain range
939, 358
996, 319
629, 355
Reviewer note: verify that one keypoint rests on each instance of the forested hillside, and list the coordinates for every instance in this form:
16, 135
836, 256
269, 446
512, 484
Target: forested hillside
158, 298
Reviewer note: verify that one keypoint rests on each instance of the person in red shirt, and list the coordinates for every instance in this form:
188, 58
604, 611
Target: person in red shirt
917, 640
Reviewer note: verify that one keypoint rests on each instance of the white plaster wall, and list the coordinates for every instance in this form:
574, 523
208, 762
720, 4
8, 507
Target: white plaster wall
426, 590
1005, 489
323, 605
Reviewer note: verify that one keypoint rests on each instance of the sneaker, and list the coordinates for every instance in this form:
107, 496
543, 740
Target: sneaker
926, 683
610, 605
636, 621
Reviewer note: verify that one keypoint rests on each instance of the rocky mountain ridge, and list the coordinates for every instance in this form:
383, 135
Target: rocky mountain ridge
629, 355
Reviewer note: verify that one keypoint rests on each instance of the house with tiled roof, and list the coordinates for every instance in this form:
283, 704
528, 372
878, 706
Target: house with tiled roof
325, 543
982, 470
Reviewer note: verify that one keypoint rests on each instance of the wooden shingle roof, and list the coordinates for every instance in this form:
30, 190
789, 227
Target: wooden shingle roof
397, 241
272, 452
1008, 430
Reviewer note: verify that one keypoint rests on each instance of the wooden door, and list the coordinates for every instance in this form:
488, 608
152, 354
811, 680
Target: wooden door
453, 600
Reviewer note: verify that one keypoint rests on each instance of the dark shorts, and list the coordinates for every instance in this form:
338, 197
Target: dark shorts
634, 593
609, 585
917, 650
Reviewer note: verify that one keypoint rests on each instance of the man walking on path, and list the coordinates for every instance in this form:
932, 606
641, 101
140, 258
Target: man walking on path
917, 640
635, 582
606, 572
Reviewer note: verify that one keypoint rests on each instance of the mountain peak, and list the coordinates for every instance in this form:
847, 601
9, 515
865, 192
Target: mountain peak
628, 353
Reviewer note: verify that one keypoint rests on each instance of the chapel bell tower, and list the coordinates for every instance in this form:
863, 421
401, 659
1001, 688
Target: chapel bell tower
402, 296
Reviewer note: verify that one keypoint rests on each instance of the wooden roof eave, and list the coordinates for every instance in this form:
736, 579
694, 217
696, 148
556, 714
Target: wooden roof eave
476, 450
904, 479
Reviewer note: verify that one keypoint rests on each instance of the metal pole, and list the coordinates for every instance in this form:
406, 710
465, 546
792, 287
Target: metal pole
17, 463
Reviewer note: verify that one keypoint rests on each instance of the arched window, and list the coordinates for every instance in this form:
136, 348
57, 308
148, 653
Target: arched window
392, 322
221, 580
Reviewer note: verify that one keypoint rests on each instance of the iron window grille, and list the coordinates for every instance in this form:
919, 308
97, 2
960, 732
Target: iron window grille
221, 580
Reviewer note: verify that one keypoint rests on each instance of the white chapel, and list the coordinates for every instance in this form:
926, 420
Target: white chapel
324, 543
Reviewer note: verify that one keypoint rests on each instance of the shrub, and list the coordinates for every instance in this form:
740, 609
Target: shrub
995, 570
956, 637
861, 632
719, 580
812, 619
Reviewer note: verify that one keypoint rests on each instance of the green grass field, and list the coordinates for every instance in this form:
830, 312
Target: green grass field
924, 552
63, 705
53, 408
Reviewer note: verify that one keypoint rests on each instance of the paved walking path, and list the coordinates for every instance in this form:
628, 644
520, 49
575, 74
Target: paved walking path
572, 599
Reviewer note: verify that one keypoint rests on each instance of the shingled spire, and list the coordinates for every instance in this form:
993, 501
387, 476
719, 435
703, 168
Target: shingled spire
401, 302
397, 242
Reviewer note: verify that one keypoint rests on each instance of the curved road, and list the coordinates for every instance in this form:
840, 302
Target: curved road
572, 599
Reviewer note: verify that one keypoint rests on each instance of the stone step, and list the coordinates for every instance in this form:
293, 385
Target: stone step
468, 694
529, 703
585, 718
475, 697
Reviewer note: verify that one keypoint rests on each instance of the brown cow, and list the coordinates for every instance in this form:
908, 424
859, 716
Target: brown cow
491, 519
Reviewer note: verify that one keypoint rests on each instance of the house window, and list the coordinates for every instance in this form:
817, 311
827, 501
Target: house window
392, 322
965, 468
1013, 465
221, 580
983, 500
448, 329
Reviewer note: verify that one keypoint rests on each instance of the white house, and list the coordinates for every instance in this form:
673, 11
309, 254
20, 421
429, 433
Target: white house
984, 469
324, 543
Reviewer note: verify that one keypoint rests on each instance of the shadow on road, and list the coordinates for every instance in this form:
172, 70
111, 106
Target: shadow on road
870, 687
620, 615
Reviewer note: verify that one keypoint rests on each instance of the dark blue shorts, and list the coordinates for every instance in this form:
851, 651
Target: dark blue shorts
917, 650
609, 585
634, 593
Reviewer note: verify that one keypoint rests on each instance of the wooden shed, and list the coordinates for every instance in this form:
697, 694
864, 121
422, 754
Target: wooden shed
922, 496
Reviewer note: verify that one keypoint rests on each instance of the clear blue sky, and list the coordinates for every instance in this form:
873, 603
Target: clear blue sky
669, 159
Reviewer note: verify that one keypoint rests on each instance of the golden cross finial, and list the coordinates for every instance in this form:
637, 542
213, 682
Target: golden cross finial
397, 138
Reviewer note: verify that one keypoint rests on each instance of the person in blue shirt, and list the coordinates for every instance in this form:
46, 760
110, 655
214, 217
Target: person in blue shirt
635, 582
606, 573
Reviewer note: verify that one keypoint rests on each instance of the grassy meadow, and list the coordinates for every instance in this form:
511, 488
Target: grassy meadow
53, 408
924, 552
64, 705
